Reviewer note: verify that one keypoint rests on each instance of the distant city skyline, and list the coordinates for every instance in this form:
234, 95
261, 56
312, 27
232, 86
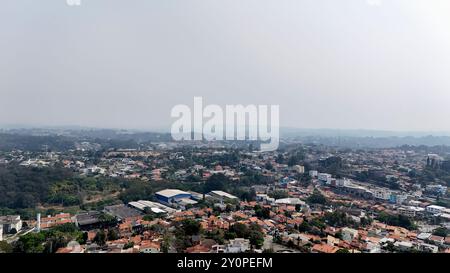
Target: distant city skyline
357, 64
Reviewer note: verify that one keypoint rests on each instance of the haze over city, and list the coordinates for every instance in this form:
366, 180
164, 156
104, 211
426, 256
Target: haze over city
353, 64
236, 136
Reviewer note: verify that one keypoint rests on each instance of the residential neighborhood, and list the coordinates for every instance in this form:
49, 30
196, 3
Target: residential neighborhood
211, 198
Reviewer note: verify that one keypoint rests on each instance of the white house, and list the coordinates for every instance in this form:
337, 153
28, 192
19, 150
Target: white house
348, 234
238, 245
10, 222
435, 209
403, 245
342, 182
299, 168
382, 194
265, 198
149, 247
424, 236
428, 248
325, 177
313, 173
410, 211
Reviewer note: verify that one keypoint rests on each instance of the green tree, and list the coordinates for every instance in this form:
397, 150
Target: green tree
337, 219
190, 227
317, 198
441, 231
304, 227
113, 235
100, 238
30, 243
255, 236
263, 213
239, 229
278, 194
216, 182
396, 220
5, 247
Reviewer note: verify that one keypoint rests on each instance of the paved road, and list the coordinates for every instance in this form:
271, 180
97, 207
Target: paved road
15, 237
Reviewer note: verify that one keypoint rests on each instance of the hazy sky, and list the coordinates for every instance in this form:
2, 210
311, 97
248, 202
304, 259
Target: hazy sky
373, 64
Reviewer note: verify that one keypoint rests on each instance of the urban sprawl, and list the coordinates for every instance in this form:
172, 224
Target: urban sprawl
220, 197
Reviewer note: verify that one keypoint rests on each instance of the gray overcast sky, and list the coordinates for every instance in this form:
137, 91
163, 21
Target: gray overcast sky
373, 64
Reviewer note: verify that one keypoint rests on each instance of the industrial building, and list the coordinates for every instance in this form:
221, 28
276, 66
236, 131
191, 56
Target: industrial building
122, 212
157, 208
290, 201
88, 220
221, 196
171, 197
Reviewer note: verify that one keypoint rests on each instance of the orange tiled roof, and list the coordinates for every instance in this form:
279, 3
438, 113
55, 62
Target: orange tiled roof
64, 250
447, 240
91, 235
324, 248
119, 241
240, 215
136, 239
149, 244
436, 238
372, 239
268, 223
197, 249
125, 226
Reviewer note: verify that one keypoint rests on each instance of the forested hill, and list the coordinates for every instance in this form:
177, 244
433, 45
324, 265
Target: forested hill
9, 142
34, 140
26, 187
22, 187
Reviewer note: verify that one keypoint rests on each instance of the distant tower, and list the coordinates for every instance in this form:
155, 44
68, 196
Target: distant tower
38, 222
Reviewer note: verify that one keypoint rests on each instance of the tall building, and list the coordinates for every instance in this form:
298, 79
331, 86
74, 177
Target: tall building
38, 222
434, 161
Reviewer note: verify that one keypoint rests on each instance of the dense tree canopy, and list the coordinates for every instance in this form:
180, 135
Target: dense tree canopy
24, 187
252, 232
48, 241
317, 198
396, 220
